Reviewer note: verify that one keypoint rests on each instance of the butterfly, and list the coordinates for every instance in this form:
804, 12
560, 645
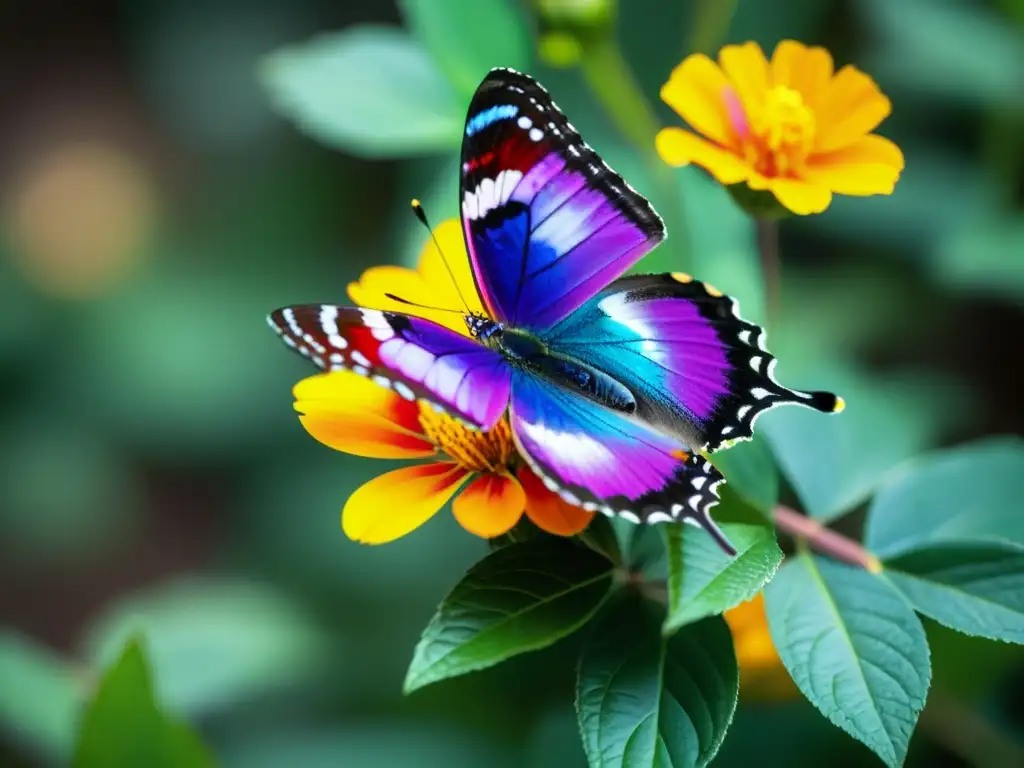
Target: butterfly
615, 387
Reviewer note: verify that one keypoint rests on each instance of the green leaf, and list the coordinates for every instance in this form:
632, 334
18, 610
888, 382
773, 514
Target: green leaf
835, 461
969, 492
704, 581
467, 39
366, 743
977, 589
647, 700
39, 698
974, 258
855, 648
750, 471
251, 639
519, 598
372, 91
123, 725
950, 49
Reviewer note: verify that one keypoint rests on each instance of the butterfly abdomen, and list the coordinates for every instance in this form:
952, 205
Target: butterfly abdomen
526, 351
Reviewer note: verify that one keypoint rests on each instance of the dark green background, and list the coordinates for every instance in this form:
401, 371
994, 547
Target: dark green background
152, 472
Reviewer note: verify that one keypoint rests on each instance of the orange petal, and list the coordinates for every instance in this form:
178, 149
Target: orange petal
871, 166
352, 414
436, 276
852, 107
678, 147
392, 505
747, 68
807, 70
799, 196
548, 511
694, 90
490, 505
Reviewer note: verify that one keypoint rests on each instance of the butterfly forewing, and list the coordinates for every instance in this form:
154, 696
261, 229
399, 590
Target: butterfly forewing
547, 222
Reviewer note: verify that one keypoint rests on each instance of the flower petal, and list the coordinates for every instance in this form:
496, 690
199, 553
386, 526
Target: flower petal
747, 68
432, 268
807, 70
799, 196
548, 511
430, 284
349, 413
392, 505
853, 106
694, 90
871, 166
762, 674
490, 505
679, 147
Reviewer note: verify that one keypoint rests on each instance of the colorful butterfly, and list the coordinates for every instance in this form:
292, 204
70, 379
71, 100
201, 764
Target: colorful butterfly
614, 386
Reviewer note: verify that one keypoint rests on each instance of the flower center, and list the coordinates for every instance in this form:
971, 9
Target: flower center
473, 450
779, 139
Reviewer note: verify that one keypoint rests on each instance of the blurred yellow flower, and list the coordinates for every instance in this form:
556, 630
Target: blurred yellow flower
791, 125
492, 488
762, 675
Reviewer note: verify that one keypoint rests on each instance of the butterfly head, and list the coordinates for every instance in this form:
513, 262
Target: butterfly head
484, 329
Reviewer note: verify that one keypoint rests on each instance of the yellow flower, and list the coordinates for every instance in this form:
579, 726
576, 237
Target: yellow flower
352, 414
790, 126
762, 675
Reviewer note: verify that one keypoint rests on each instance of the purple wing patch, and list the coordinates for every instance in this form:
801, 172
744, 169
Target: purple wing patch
417, 358
603, 461
695, 368
547, 223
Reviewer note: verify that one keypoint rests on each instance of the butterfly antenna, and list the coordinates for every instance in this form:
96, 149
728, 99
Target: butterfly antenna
400, 300
417, 208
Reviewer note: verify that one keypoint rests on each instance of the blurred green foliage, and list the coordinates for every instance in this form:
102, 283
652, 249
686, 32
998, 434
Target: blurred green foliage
155, 484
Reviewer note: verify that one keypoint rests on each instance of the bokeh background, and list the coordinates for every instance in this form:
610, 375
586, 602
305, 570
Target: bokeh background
154, 207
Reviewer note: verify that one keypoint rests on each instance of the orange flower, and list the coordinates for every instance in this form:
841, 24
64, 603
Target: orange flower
790, 126
352, 414
762, 675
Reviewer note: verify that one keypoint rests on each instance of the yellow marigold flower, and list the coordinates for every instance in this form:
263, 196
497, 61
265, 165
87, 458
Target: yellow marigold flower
762, 675
790, 125
350, 413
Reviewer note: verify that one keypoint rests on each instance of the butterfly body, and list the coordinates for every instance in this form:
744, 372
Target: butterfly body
525, 350
613, 386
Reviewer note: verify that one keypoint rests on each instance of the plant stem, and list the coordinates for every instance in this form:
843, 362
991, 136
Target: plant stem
771, 267
711, 19
824, 540
613, 84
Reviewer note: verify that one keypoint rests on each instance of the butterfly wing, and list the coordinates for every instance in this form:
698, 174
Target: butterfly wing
417, 358
547, 223
695, 368
601, 460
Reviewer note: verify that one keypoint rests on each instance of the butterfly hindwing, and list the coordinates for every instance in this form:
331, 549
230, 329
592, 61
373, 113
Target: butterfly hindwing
603, 461
696, 369
417, 358
547, 222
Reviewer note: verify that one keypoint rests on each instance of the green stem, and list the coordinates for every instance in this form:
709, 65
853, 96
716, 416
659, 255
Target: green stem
771, 268
710, 24
613, 84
